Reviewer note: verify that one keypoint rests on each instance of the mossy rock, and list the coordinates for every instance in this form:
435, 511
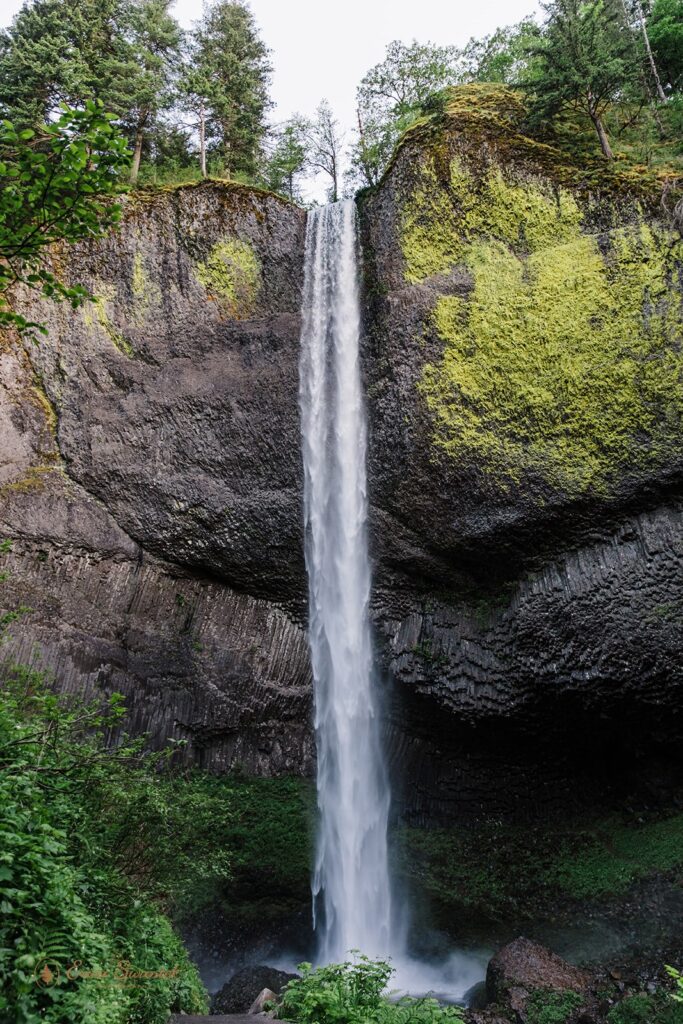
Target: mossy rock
563, 361
231, 275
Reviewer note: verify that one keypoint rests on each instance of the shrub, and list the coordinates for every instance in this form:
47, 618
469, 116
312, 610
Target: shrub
63, 899
546, 1007
353, 993
660, 1008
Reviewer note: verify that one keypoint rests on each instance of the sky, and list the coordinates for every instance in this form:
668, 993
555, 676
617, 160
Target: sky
320, 49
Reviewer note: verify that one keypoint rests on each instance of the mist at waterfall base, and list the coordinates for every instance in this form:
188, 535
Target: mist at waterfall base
352, 894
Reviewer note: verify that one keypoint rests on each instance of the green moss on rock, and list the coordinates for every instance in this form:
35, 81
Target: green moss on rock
231, 275
146, 294
95, 313
500, 871
565, 360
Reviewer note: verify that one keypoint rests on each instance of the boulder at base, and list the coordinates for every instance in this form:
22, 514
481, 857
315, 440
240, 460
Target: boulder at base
239, 993
524, 973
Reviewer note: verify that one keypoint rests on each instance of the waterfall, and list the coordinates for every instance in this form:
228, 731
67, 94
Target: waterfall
351, 892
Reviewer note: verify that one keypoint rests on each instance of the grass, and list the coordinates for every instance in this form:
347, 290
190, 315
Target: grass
500, 871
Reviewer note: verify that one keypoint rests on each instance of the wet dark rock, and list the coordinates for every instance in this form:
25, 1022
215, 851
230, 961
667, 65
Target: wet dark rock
238, 994
523, 968
150, 480
265, 997
526, 965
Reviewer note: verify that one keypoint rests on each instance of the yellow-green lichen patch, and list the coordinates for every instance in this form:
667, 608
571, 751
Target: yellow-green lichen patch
440, 221
95, 313
146, 294
565, 363
33, 480
231, 275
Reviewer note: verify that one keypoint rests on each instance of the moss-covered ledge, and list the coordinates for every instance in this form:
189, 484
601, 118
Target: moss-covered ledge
561, 363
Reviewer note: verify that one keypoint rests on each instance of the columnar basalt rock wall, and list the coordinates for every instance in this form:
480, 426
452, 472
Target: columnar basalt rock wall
150, 478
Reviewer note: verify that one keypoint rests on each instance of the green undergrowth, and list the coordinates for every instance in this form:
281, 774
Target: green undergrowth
354, 992
103, 850
549, 1007
491, 119
500, 871
562, 362
148, 192
659, 1008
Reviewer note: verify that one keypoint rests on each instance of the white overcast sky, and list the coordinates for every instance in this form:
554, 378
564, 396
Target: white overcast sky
320, 49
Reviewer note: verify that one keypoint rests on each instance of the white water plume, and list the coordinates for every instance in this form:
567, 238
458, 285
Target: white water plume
351, 879
351, 885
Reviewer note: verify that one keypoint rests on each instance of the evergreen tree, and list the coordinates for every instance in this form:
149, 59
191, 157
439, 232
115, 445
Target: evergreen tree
289, 158
68, 51
139, 74
54, 53
232, 75
195, 91
585, 62
665, 27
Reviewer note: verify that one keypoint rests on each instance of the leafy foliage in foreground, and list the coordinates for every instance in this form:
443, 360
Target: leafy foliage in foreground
62, 899
353, 993
98, 845
56, 184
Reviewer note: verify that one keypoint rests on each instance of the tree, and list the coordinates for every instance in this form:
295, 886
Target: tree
232, 75
389, 98
648, 50
665, 27
584, 62
194, 93
325, 141
56, 183
502, 56
68, 51
139, 72
53, 53
289, 158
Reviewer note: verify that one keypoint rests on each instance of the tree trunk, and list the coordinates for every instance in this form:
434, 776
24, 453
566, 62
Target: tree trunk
602, 135
650, 55
137, 155
202, 140
335, 195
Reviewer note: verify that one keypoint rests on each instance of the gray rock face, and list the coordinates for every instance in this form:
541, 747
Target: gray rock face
150, 476
533, 634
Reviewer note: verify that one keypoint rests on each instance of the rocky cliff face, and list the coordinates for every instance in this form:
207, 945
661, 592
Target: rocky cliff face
525, 385
150, 476
523, 361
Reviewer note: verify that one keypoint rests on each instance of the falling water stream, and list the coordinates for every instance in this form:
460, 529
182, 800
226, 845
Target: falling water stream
352, 899
351, 884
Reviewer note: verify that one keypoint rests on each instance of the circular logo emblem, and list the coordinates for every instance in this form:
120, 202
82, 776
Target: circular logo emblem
47, 973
